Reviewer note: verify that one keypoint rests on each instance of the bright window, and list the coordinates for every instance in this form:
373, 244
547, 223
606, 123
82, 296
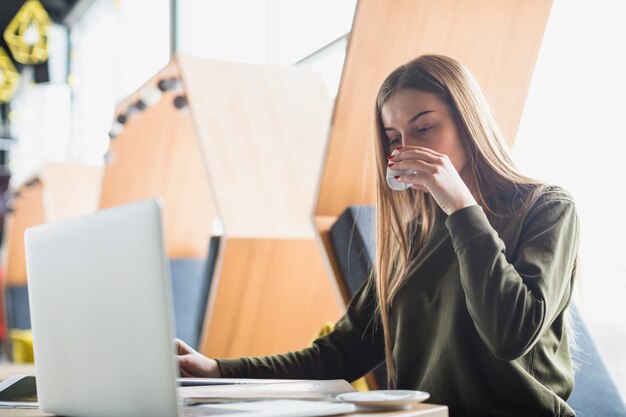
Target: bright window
572, 134
116, 47
268, 31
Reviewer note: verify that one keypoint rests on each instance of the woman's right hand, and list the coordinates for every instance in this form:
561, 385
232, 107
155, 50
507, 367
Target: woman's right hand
194, 364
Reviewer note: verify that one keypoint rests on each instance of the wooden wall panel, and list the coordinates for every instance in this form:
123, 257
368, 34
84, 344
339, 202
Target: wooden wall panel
157, 155
262, 130
498, 41
70, 190
28, 211
272, 296
62, 191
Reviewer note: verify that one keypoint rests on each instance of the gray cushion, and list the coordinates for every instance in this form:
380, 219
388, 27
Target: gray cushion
17, 307
191, 282
594, 392
353, 240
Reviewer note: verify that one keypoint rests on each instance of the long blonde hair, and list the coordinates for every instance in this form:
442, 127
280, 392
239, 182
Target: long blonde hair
405, 220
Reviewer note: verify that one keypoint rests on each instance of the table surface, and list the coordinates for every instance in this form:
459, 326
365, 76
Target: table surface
419, 410
7, 369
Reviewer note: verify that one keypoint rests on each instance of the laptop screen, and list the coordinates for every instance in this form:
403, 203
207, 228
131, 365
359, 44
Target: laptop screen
100, 308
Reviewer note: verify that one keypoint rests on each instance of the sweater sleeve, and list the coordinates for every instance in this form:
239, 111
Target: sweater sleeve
352, 349
513, 303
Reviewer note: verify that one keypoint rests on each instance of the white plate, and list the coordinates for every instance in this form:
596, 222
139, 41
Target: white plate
389, 399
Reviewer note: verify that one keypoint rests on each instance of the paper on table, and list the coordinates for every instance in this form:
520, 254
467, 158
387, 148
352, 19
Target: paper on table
302, 390
193, 382
4, 405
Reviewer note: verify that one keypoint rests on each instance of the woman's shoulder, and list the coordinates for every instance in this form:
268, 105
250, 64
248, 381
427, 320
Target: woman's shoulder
551, 204
548, 196
541, 207
532, 203
553, 193
519, 198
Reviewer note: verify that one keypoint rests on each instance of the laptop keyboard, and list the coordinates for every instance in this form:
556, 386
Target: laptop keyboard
192, 411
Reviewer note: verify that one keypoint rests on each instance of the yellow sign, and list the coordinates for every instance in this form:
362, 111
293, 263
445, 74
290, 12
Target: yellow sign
9, 77
27, 34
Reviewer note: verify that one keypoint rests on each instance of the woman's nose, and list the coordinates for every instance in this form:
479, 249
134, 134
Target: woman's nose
408, 141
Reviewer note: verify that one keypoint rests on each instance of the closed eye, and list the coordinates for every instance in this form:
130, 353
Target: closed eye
394, 141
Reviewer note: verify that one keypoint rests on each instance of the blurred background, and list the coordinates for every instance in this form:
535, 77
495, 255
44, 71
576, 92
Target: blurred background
100, 51
58, 105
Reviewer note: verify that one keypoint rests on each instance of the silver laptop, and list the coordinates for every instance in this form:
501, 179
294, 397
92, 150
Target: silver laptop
100, 308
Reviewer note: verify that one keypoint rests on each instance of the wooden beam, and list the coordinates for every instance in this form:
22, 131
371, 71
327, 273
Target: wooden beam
270, 296
157, 156
262, 131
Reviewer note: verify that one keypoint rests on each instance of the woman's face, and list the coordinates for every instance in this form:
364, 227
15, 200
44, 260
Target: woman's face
417, 118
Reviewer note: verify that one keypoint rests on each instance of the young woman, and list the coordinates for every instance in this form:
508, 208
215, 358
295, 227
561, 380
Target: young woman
474, 269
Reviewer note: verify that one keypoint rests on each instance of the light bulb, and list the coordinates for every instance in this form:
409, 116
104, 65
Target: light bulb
116, 129
109, 158
135, 108
166, 84
180, 102
150, 94
31, 35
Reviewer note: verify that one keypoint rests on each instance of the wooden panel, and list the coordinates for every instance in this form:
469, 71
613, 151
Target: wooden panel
263, 130
324, 223
27, 212
157, 155
70, 190
498, 41
268, 296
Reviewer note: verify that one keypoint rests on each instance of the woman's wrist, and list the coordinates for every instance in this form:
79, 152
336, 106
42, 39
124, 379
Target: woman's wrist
213, 369
453, 208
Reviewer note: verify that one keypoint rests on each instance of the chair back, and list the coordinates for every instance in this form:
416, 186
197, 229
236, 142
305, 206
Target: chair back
191, 283
17, 307
595, 393
353, 240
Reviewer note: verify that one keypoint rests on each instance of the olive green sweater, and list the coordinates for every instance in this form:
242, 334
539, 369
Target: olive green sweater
479, 323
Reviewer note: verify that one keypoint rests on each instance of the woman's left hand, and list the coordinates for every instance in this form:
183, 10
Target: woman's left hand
194, 364
435, 175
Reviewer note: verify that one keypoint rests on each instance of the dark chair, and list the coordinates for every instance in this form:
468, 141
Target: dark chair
17, 315
17, 307
352, 239
594, 392
191, 283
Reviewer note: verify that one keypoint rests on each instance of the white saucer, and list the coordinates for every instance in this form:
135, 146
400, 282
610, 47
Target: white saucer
389, 399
